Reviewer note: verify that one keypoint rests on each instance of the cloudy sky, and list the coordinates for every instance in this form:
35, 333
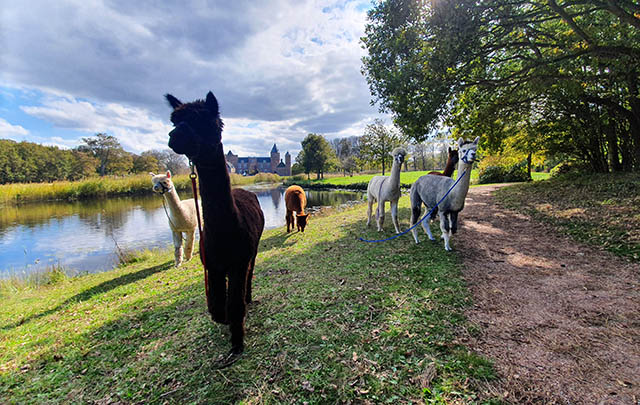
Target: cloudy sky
279, 68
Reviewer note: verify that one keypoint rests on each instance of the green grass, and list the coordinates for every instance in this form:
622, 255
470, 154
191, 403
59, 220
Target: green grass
361, 181
599, 209
99, 187
338, 320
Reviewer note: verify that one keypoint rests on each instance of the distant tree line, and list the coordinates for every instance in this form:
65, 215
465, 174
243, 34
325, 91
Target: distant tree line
101, 155
371, 150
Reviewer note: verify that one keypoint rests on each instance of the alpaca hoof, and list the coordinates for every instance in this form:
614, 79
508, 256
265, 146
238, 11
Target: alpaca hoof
230, 358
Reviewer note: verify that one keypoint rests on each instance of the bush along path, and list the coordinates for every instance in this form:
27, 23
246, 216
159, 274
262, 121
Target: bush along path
558, 317
336, 321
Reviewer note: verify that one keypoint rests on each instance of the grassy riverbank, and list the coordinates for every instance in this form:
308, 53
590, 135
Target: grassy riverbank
98, 187
360, 181
600, 209
337, 320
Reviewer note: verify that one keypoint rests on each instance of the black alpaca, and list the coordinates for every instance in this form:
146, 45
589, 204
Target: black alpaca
233, 220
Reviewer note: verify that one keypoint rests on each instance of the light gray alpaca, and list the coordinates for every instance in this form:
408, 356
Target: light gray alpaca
182, 215
386, 188
430, 189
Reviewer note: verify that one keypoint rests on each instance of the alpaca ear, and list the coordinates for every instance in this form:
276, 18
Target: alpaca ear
212, 103
449, 149
460, 142
173, 102
475, 141
152, 174
168, 174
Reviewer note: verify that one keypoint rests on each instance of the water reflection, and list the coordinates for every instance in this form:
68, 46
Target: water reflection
82, 235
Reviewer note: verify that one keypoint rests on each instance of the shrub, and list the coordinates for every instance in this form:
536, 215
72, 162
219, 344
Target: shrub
504, 174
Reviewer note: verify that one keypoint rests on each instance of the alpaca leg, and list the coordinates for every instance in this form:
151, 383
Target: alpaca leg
426, 225
380, 217
249, 280
369, 209
218, 295
444, 227
237, 308
177, 247
415, 217
394, 215
289, 218
188, 245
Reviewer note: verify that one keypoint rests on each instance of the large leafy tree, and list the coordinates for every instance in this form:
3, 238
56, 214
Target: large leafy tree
493, 65
377, 143
317, 155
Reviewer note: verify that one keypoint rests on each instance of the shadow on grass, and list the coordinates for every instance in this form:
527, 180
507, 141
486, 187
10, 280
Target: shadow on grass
93, 291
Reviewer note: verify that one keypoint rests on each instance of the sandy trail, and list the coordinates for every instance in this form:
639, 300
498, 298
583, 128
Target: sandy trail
561, 320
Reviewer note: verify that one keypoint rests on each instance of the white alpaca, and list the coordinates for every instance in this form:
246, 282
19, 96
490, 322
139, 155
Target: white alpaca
430, 189
386, 188
182, 215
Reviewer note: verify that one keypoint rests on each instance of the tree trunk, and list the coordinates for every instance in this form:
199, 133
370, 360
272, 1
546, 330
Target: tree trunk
613, 150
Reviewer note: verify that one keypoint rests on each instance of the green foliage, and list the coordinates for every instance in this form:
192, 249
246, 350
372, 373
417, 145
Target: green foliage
316, 155
377, 143
27, 162
558, 76
504, 174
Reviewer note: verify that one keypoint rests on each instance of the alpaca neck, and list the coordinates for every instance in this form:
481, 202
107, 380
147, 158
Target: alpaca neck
218, 206
394, 177
449, 168
459, 193
172, 199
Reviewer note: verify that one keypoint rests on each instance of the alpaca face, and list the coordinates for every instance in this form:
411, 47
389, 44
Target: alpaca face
467, 150
398, 155
161, 182
301, 220
196, 123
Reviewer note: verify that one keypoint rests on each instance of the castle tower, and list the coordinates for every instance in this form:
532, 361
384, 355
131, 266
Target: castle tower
275, 158
232, 160
287, 162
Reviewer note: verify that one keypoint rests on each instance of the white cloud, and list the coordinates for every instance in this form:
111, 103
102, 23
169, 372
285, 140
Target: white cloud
9, 131
135, 128
290, 67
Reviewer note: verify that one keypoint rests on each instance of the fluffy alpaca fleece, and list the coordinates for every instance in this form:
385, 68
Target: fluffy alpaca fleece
182, 216
386, 188
430, 189
296, 201
233, 219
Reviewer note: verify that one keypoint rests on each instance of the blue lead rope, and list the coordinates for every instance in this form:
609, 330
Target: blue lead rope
423, 218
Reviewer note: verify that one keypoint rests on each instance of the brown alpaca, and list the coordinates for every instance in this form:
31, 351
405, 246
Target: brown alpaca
451, 164
296, 200
233, 220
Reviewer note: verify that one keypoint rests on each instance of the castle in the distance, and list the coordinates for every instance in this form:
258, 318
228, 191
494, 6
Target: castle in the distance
252, 165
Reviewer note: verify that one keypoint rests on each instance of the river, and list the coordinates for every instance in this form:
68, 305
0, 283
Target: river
84, 236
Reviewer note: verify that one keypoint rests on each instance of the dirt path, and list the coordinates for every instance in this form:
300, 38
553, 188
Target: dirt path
560, 320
